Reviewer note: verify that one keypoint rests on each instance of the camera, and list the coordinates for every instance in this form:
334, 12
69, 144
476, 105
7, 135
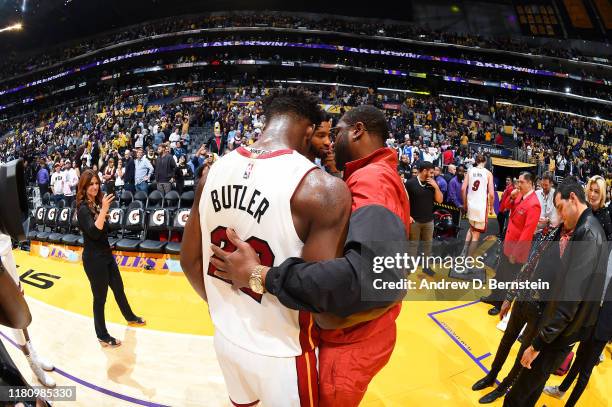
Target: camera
13, 199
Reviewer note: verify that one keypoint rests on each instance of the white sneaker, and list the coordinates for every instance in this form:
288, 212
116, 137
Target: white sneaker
43, 363
43, 377
554, 391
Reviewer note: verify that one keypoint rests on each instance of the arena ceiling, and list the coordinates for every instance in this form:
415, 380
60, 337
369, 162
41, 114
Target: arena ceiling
47, 22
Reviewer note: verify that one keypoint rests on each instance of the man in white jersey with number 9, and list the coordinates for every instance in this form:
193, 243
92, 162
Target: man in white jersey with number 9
283, 206
477, 191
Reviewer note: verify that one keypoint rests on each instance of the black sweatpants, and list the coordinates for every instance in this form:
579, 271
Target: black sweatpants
587, 357
102, 272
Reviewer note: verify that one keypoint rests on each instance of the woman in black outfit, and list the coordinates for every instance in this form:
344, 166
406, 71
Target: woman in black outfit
98, 261
183, 172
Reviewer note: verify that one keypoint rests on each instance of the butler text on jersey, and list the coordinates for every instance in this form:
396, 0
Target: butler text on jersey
240, 197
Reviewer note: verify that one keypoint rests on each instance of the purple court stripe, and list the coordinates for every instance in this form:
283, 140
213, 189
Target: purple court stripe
94, 387
486, 355
450, 335
454, 308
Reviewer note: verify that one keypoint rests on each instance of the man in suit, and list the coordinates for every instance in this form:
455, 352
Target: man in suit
587, 355
572, 309
130, 172
218, 143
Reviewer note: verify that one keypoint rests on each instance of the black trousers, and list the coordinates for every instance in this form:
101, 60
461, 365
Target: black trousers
530, 382
507, 272
102, 272
522, 313
502, 217
44, 188
587, 357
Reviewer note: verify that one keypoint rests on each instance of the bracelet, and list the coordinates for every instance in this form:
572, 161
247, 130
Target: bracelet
257, 271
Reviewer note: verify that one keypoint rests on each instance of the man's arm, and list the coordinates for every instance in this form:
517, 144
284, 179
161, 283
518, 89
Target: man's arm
438, 196
14, 311
320, 207
464, 187
191, 246
332, 286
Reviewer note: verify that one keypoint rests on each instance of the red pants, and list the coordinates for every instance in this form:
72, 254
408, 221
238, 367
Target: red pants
345, 370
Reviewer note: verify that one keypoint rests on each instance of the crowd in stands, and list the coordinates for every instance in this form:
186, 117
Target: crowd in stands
16, 64
137, 144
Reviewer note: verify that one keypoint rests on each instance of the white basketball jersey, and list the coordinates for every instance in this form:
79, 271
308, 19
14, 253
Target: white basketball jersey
477, 194
252, 196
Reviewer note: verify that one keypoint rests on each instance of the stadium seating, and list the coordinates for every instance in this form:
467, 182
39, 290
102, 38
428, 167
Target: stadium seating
186, 199
126, 198
62, 225
171, 200
73, 237
115, 222
50, 223
37, 222
132, 233
155, 200
158, 222
142, 197
178, 226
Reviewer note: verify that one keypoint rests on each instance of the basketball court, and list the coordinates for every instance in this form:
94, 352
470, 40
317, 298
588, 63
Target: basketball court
443, 347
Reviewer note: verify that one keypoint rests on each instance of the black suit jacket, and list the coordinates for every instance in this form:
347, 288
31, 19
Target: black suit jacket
212, 145
130, 172
571, 313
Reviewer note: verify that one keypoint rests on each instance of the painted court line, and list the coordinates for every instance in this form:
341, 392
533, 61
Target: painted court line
454, 338
486, 355
94, 387
453, 308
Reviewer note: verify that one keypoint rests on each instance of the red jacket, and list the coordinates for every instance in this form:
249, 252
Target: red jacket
374, 181
524, 216
503, 204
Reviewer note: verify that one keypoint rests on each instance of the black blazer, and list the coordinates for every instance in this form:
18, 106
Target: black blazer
130, 171
212, 145
571, 314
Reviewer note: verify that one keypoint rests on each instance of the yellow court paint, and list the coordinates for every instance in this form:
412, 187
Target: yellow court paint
435, 361
166, 301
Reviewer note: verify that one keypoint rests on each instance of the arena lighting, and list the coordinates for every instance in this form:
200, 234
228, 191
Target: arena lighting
14, 27
568, 89
574, 96
158, 85
418, 92
323, 83
461, 97
597, 118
